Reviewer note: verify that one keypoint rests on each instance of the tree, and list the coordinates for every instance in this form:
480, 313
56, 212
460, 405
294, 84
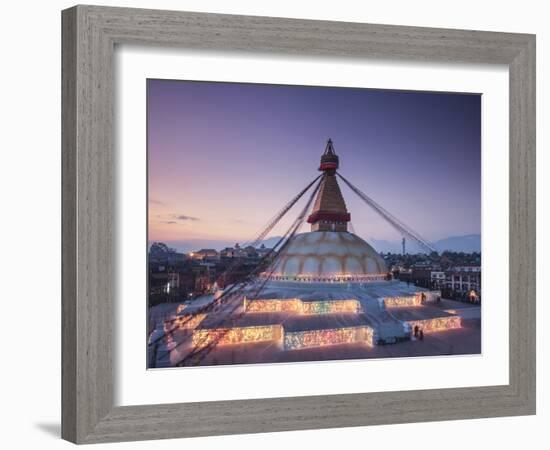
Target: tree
160, 249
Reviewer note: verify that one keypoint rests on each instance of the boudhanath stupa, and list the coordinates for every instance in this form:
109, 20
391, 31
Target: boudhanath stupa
327, 294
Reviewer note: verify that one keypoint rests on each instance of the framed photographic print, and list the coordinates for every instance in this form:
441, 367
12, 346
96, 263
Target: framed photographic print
326, 293
306, 224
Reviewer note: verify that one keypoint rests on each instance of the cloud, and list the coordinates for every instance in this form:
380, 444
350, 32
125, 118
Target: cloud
172, 219
184, 217
153, 201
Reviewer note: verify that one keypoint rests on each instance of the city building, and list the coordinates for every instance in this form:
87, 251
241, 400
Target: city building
437, 279
465, 281
205, 255
232, 252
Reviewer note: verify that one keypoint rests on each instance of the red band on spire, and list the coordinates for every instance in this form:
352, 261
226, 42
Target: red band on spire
316, 216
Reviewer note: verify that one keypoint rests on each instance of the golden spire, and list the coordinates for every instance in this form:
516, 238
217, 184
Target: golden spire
329, 211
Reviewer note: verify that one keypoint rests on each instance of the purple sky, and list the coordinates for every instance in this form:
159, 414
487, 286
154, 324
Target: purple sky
225, 157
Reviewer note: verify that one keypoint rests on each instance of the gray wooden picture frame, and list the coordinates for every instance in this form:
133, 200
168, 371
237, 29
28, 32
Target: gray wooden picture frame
90, 34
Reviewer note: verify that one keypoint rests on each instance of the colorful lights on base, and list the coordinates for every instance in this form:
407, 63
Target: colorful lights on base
403, 302
291, 305
188, 321
297, 306
441, 324
241, 335
291, 340
302, 339
321, 338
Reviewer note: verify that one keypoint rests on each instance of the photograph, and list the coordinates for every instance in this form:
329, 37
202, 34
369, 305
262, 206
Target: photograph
290, 223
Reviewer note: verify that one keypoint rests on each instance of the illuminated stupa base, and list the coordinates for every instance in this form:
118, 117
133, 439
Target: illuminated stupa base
303, 317
290, 332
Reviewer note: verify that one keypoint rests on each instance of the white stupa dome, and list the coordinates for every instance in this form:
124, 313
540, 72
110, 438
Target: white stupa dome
328, 256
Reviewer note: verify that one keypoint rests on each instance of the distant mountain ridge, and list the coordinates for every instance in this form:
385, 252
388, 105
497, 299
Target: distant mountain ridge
468, 243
